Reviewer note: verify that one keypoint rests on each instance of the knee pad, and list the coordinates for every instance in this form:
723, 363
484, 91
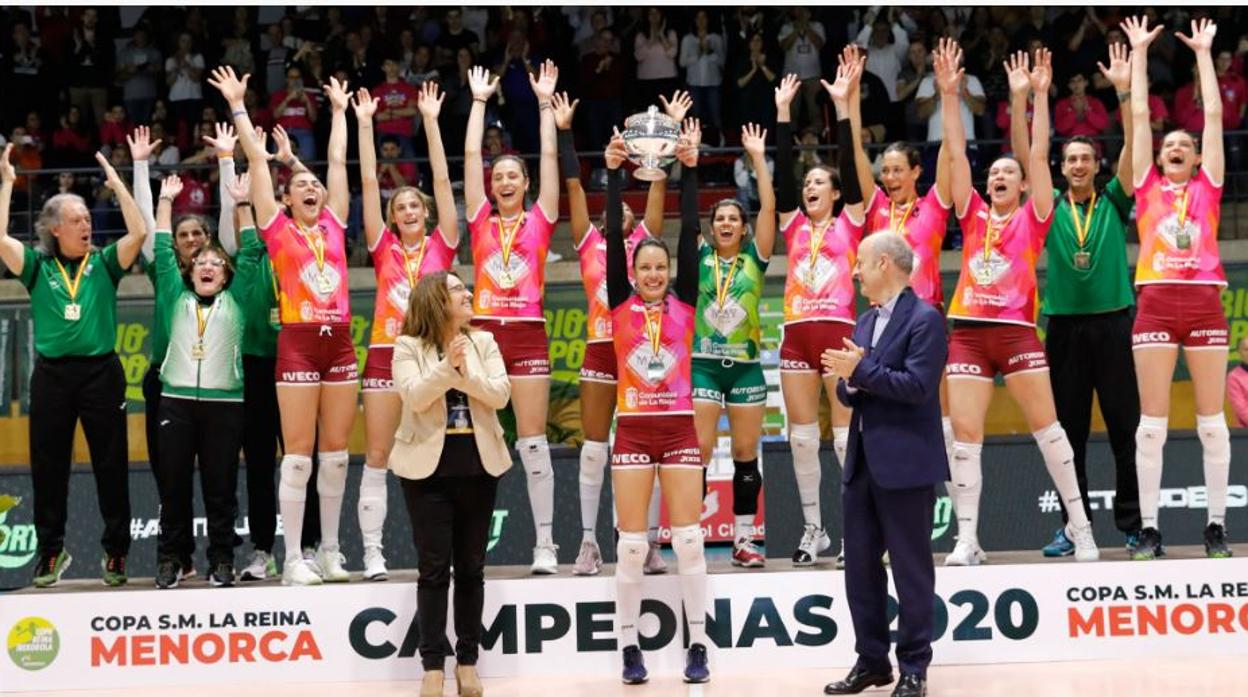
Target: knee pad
965, 467
331, 479
689, 549
1150, 436
747, 482
296, 472
804, 442
535, 456
1215, 437
630, 552
594, 455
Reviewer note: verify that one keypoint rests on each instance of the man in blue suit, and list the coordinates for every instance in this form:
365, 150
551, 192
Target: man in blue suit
890, 375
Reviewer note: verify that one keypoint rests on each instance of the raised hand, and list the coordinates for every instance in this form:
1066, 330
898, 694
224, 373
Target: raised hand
365, 104
690, 140
1138, 33
224, 140
544, 85
141, 145
337, 93
945, 68
1042, 72
1018, 71
111, 179
231, 87
680, 105
616, 151
240, 188
846, 74
564, 110
753, 139
171, 186
429, 100
263, 139
282, 140
786, 91
1203, 31
482, 83
7, 172
1119, 71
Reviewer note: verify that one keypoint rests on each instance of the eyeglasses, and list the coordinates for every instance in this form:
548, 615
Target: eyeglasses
214, 263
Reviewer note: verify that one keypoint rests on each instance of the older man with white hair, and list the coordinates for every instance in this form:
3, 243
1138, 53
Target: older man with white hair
890, 375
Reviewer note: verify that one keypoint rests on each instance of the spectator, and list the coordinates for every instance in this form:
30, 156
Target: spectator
1189, 115
917, 67
519, 104
457, 105
756, 84
115, 128
66, 183
276, 58
746, 23
184, 71
875, 108
1237, 387
296, 111
26, 74
702, 56
585, 23
164, 151
392, 176
396, 111
802, 40
160, 112
987, 62
1035, 28
602, 89
34, 129
92, 67
261, 116
972, 102
360, 66
71, 144
598, 21
236, 48
106, 219
655, 49
1080, 114
1086, 44
808, 157
476, 19
138, 70
493, 146
454, 37
26, 157
196, 195
1233, 88
747, 181
887, 46
420, 68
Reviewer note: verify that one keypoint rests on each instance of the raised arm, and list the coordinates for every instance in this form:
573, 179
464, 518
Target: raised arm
1040, 178
12, 252
141, 149
862, 163
847, 73
1016, 70
336, 178
690, 227
223, 144
167, 282
1140, 36
948, 78
1212, 155
754, 140
374, 222
786, 187
482, 85
548, 186
136, 230
170, 187
429, 103
233, 89
618, 287
1119, 75
578, 208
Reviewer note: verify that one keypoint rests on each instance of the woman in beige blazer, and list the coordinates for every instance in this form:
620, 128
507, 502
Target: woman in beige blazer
449, 453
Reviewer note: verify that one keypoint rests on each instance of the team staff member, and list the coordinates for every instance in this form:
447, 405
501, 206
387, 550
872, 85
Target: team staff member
403, 251
599, 372
77, 375
1180, 279
509, 246
1088, 299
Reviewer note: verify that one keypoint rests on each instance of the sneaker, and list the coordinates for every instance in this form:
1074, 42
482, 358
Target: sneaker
697, 667
1085, 544
114, 569
296, 572
655, 564
544, 560
1149, 546
309, 558
840, 556
330, 561
374, 565
167, 574
634, 666
588, 560
222, 575
1061, 546
186, 569
260, 566
814, 540
49, 570
1215, 542
1133, 541
746, 555
966, 553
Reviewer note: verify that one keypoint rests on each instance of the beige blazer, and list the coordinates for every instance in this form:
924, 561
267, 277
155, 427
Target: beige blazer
422, 379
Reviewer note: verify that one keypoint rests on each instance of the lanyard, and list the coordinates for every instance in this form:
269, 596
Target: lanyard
1081, 227
277, 294
316, 242
507, 237
900, 225
654, 328
817, 233
721, 289
407, 261
72, 286
1180, 206
201, 321
994, 232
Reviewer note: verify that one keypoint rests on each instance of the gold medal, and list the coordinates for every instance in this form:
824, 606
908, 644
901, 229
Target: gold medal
1183, 238
817, 233
275, 316
316, 242
325, 284
808, 279
506, 281
984, 275
898, 225
73, 312
412, 267
197, 351
1083, 260
506, 240
655, 369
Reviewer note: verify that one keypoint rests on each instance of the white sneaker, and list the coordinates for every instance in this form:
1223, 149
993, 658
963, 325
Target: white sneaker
260, 566
374, 565
655, 564
309, 558
966, 553
296, 572
1085, 544
840, 556
814, 540
544, 560
330, 561
588, 560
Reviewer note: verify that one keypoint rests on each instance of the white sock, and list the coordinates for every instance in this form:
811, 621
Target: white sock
967, 473
292, 494
652, 515
1215, 441
804, 443
630, 551
372, 506
840, 443
946, 427
594, 456
743, 527
331, 484
540, 475
691, 562
1059, 460
1150, 440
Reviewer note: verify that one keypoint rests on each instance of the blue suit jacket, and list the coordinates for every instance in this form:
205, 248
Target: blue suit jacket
898, 398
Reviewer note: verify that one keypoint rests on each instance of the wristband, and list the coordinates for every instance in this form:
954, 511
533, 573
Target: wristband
240, 112
1124, 96
240, 204
483, 101
167, 198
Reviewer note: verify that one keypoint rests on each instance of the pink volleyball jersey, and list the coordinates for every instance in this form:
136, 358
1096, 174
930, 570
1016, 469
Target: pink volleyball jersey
653, 382
309, 292
1178, 244
510, 288
999, 285
822, 287
593, 253
923, 224
397, 269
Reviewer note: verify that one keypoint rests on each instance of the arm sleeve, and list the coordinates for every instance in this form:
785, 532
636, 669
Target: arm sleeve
850, 187
786, 188
225, 220
687, 248
567, 155
618, 288
143, 196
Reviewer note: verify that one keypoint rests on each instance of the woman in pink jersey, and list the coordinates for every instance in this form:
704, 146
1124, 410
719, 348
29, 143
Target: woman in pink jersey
402, 252
994, 309
1180, 281
509, 246
317, 373
653, 336
819, 297
598, 370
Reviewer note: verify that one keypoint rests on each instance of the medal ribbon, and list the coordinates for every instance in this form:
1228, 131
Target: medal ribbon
316, 242
900, 225
654, 328
507, 238
994, 233
412, 275
817, 233
1081, 228
201, 321
277, 294
1180, 207
721, 289
72, 286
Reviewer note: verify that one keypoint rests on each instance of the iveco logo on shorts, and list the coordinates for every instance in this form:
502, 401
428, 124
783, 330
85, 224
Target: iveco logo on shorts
1151, 337
301, 376
630, 459
964, 369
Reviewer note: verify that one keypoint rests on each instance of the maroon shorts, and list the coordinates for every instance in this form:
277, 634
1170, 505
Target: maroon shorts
377, 375
646, 442
526, 352
312, 354
599, 364
1173, 314
980, 350
804, 343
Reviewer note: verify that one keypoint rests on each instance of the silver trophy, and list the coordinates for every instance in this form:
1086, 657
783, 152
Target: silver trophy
651, 142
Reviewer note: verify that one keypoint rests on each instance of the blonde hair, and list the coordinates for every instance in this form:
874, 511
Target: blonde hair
425, 200
427, 318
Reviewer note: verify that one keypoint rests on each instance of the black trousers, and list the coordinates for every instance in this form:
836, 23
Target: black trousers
450, 526
62, 391
210, 433
151, 421
1093, 353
